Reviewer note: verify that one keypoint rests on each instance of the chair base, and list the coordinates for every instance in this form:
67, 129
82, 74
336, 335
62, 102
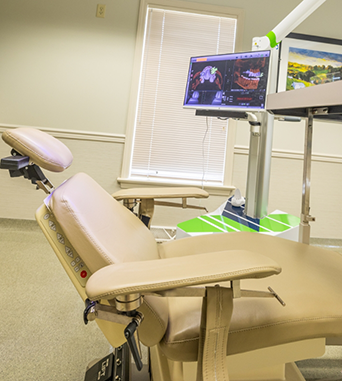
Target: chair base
101, 369
118, 366
292, 373
115, 366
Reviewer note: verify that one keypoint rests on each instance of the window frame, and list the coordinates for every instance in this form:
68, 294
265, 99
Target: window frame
183, 6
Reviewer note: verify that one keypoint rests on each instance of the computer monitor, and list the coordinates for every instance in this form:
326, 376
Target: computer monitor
236, 81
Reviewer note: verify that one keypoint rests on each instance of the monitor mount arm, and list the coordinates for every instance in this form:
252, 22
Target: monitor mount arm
260, 147
286, 26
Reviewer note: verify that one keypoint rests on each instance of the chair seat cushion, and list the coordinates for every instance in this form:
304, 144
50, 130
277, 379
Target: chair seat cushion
310, 284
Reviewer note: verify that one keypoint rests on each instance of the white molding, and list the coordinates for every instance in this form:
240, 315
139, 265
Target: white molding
72, 134
294, 155
217, 190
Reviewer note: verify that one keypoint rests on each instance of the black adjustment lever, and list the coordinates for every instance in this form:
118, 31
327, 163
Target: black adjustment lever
131, 335
89, 304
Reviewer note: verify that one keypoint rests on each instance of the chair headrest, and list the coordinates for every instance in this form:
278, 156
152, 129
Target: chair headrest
43, 149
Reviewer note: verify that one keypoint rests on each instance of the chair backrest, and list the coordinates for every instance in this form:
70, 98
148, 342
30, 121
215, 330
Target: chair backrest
101, 229
104, 232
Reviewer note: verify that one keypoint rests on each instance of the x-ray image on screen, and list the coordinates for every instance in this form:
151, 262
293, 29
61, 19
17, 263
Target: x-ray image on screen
207, 81
249, 74
237, 80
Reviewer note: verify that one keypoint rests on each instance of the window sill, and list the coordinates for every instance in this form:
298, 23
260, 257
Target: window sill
214, 190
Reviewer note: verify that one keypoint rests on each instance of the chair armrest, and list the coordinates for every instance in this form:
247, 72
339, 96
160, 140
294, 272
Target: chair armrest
165, 274
155, 193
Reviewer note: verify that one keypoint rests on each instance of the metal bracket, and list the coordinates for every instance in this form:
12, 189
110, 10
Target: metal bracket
320, 111
183, 205
280, 300
310, 218
46, 186
95, 310
255, 130
238, 293
19, 165
201, 292
306, 218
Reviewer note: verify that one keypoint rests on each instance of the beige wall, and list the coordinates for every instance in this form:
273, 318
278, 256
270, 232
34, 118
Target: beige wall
63, 69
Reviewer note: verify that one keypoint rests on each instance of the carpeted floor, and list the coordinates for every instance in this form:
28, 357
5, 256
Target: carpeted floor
326, 368
42, 335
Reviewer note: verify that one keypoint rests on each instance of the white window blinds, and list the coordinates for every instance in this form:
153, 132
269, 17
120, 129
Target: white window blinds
171, 143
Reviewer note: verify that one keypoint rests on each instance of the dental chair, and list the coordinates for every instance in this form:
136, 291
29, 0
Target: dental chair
212, 307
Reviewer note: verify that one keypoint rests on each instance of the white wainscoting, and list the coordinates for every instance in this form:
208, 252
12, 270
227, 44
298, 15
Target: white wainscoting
286, 187
100, 155
296, 155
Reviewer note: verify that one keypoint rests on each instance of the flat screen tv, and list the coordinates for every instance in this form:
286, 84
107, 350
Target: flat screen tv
235, 81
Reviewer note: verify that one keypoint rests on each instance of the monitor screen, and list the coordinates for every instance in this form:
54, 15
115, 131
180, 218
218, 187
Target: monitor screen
228, 81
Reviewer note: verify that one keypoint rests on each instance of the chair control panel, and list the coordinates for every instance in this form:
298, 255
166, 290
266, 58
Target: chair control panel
67, 251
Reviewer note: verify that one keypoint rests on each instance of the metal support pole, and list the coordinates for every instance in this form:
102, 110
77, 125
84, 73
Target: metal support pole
260, 155
259, 168
304, 227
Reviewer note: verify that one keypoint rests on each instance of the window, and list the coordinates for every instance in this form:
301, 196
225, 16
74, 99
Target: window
165, 143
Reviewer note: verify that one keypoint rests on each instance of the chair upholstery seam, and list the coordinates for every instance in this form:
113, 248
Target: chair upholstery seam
85, 232
185, 282
256, 328
162, 325
36, 153
286, 322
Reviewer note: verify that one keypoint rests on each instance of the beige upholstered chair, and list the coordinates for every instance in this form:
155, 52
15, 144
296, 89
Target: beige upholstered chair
188, 297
